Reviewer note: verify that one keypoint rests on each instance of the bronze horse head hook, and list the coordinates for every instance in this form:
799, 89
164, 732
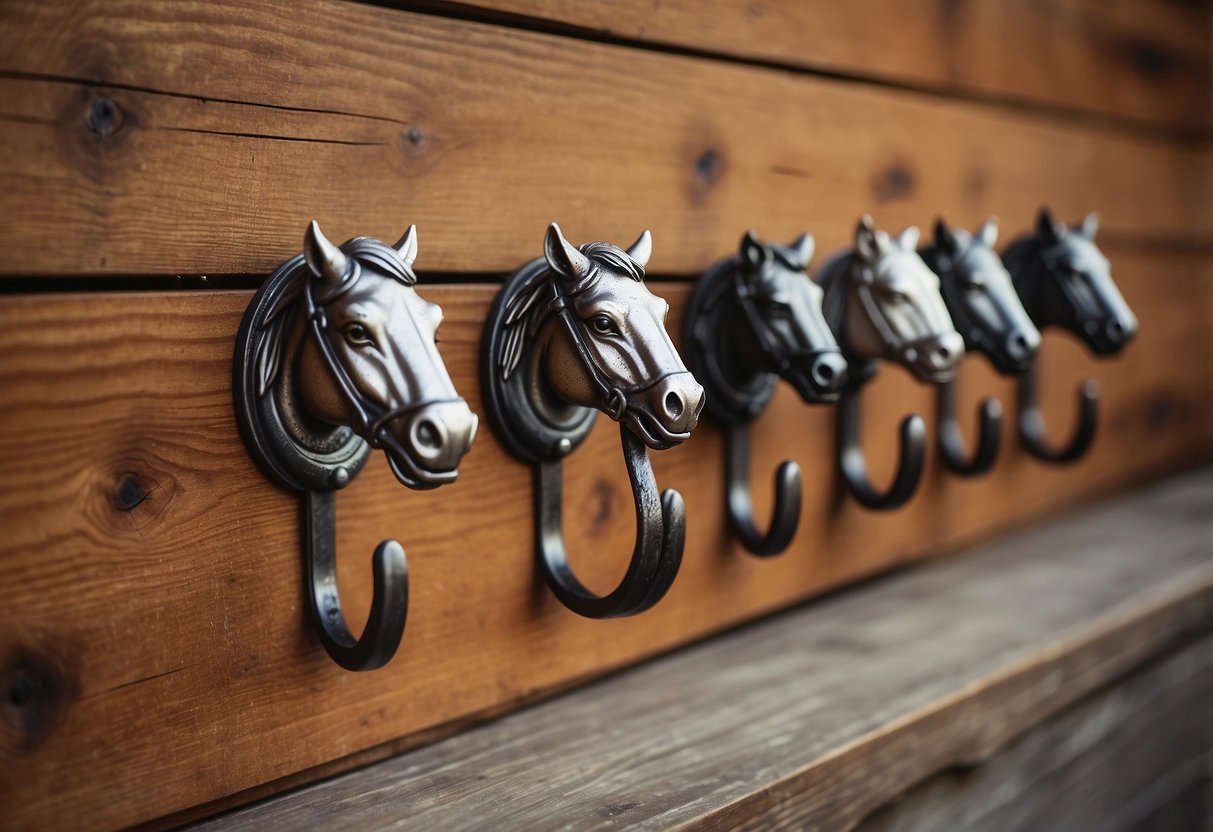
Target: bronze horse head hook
752, 319
573, 332
1064, 280
982, 302
884, 303
337, 355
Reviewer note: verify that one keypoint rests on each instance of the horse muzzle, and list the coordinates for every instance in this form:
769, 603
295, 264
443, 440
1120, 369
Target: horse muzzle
1110, 336
818, 376
425, 445
664, 413
934, 360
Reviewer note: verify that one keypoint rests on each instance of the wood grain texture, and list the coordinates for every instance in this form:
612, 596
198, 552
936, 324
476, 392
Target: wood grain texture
815, 719
1122, 760
148, 138
153, 575
1128, 58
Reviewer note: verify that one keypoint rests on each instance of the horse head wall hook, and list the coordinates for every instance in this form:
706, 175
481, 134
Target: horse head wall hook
570, 333
987, 312
883, 303
337, 355
1064, 280
752, 319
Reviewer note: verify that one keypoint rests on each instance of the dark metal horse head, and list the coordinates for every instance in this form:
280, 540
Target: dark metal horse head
1064, 280
885, 303
357, 346
784, 324
599, 340
980, 297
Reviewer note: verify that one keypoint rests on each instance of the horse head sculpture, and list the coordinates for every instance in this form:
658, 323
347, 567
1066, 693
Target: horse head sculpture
1064, 280
983, 304
337, 355
752, 319
574, 332
883, 302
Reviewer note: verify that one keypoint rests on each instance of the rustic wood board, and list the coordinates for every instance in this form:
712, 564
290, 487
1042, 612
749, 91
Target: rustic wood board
1136, 757
153, 575
1127, 58
818, 718
144, 138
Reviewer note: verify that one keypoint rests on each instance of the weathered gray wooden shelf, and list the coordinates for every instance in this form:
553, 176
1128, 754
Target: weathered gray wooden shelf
1065, 669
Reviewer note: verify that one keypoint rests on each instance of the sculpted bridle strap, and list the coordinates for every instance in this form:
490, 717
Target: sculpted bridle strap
614, 396
877, 316
373, 429
781, 356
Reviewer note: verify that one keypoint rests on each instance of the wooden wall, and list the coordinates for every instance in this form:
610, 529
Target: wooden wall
158, 159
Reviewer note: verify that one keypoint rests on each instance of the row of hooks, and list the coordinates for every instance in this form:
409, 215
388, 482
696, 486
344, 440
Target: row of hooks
337, 355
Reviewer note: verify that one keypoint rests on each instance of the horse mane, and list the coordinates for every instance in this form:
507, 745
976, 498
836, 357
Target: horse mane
1022, 260
833, 279
522, 309
294, 275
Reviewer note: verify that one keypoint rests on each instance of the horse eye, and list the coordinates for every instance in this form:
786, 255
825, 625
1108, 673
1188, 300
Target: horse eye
893, 296
975, 284
359, 336
603, 325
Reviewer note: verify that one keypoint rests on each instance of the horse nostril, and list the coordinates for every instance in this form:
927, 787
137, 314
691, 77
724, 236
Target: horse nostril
943, 353
428, 436
825, 374
673, 404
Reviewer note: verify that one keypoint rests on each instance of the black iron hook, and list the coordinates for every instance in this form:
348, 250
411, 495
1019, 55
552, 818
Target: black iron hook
951, 440
660, 535
389, 607
854, 468
785, 516
1032, 422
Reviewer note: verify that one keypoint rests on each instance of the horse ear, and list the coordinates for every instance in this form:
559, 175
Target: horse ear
988, 233
642, 249
869, 242
751, 249
944, 238
1090, 225
1048, 228
804, 246
407, 246
326, 261
563, 257
908, 239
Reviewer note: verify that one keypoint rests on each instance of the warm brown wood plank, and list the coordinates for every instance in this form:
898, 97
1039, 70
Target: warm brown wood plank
1142, 60
152, 574
815, 719
1119, 760
147, 138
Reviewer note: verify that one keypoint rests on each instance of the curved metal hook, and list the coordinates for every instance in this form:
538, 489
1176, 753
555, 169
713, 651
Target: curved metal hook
1032, 422
854, 468
389, 608
660, 535
785, 515
951, 440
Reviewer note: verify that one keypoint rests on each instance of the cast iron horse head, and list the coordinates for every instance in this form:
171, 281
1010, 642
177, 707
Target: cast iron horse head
980, 297
884, 303
755, 317
352, 343
597, 339
1064, 280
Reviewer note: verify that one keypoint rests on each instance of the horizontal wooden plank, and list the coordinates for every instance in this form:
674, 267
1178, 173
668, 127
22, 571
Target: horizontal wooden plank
1128, 58
816, 719
153, 575
1134, 757
142, 138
